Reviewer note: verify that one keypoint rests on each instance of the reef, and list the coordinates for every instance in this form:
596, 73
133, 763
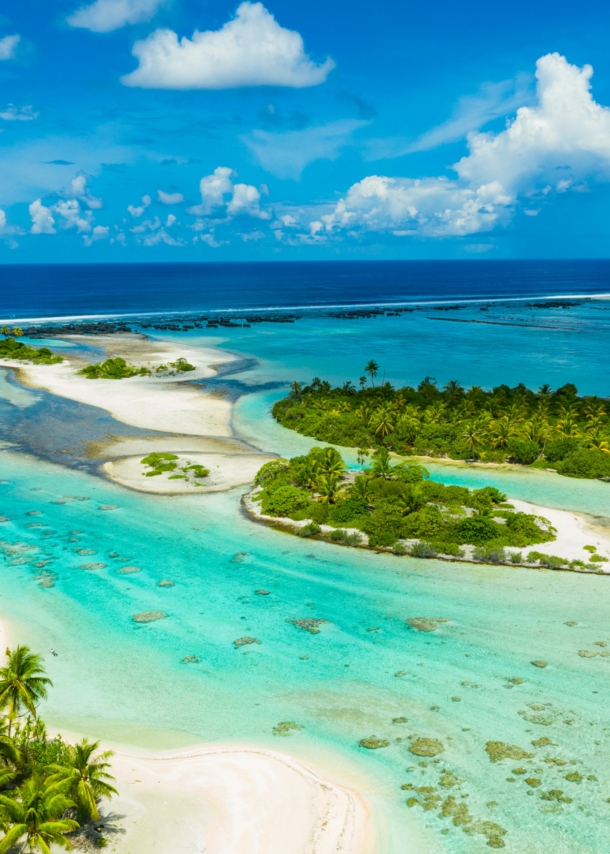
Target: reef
373, 743
499, 750
426, 624
244, 642
309, 625
286, 728
148, 616
426, 747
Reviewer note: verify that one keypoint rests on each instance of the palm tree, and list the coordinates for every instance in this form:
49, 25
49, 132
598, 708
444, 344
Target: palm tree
362, 487
332, 464
382, 465
475, 433
383, 420
348, 387
327, 487
372, 369
8, 750
22, 682
434, 413
17, 331
410, 500
296, 389
362, 455
545, 390
568, 428
503, 431
5, 331
453, 390
36, 814
362, 382
86, 778
598, 440
594, 409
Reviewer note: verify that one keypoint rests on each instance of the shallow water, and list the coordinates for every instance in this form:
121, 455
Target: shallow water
127, 681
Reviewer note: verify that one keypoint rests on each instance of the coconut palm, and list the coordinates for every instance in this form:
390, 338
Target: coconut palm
434, 413
382, 465
86, 779
332, 462
327, 487
475, 433
545, 390
594, 409
383, 420
453, 390
36, 813
296, 389
598, 440
537, 429
410, 500
372, 369
361, 487
22, 682
5, 331
502, 431
17, 331
348, 387
568, 428
364, 413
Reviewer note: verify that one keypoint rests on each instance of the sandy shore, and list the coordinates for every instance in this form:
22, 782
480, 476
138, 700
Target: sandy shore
226, 472
224, 799
168, 404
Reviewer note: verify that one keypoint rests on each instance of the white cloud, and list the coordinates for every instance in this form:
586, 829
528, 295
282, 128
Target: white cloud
170, 198
18, 114
253, 235
8, 45
2, 220
562, 139
99, 233
162, 236
139, 210
72, 216
150, 224
252, 49
171, 219
42, 219
287, 154
215, 188
209, 239
106, 15
77, 189
245, 202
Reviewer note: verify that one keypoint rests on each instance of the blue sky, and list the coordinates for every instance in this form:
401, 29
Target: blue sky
191, 130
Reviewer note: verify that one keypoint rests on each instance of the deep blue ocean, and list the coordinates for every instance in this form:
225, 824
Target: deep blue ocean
47, 290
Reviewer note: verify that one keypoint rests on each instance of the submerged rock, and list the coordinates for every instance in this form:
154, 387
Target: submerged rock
164, 583
239, 556
285, 728
148, 616
426, 747
127, 570
309, 625
586, 653
191, 659
84, 552
262, 592
93, 566
498, 750
542, 742
47, 582
539, 663
373, 743
426, 624
4, 519
244, 642
107, 506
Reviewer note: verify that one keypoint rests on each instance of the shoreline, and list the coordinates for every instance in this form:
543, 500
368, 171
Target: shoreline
574, 532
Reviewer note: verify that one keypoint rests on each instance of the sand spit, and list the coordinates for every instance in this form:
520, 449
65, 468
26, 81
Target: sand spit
226, 472
233, 800
169, 404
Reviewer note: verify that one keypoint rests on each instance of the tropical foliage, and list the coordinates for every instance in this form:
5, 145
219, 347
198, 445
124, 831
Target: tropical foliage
48, 788
391, 503
551, 429
10, 348
118, 369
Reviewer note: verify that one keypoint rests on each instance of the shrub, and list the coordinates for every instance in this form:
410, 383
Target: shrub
311, 530
516, 557
273, 472
410, 472
383, 525
549, 561
346, 510
346, 538
523, 451
590, 464
427, 522
598, 559
421, 549
490, 554
112, 369
447, 548
556, 451
477, 530
525, 531
284, 501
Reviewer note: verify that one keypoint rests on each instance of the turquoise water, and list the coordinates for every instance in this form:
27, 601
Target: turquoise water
124, 681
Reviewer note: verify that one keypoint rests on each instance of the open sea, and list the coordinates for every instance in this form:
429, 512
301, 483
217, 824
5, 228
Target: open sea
468, 683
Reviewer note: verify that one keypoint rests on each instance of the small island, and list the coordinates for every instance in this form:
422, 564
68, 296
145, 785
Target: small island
118, 369
397, 507
10, 348
545, 429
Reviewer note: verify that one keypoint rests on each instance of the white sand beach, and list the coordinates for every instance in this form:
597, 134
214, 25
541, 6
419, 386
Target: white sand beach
225, 799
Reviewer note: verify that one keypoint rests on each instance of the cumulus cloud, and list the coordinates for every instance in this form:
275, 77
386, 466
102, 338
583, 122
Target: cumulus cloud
99, 233
77, 189
18, 114
8, 46
137, 210
170, 198
287, 154
215, 190
72, 215
42, 219
106, 15
252, 49
548, 147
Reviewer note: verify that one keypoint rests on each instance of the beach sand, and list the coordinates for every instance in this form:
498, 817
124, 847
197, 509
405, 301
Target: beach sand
225, 799
226, 472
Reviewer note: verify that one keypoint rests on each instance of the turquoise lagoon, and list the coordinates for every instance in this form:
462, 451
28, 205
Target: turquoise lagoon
128, 682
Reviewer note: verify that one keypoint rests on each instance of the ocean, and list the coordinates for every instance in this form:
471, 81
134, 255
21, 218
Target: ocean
468, 683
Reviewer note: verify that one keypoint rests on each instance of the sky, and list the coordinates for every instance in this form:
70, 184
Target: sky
204, 130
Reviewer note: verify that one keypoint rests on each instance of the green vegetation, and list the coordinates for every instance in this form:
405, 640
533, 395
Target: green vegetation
113, 369
160, 463
118, 369
549, 429
10, 348
392, 503
48, 788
